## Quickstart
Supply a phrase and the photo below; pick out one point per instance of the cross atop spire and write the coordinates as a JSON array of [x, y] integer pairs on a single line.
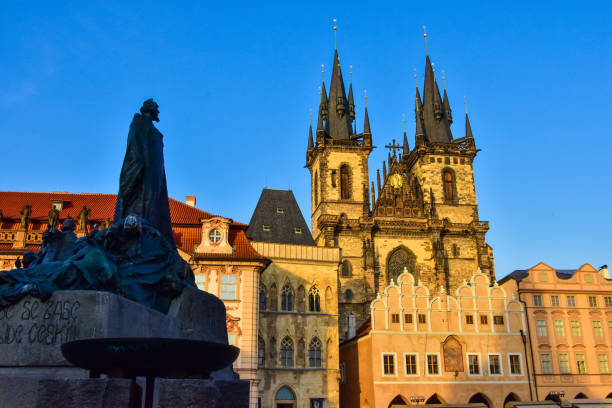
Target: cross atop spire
[[394, 146]]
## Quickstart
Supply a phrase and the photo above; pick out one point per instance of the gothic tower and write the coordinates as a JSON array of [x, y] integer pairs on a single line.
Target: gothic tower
[[423, 218]]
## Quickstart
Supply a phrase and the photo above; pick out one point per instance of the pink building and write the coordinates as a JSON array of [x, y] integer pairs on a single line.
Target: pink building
[[569, 319]]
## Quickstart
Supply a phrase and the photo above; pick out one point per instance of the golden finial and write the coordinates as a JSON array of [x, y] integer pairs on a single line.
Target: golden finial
[[465, 103], [335, 37], [416, 83], [365, 95], [425, 36], [351, 73], [443, 80], [433, 67]]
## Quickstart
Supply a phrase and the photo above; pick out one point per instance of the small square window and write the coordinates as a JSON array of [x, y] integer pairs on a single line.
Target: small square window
[[280, 210], [422, 318], [537, 300], [408, 318], [297, 230], [484, 319], [498, 319], [395, 318], [265, 227], [469, 319]]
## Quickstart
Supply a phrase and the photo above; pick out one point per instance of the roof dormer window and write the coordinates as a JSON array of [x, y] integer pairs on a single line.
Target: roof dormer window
[[297, 230], [57, 204], [265, 227], [280, 210]]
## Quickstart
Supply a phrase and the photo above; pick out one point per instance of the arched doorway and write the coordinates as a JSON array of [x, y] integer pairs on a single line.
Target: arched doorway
[[399, 259], [580, 395], [434, 399], [480, 397], [397, 401], [285, 398], [510, 397]]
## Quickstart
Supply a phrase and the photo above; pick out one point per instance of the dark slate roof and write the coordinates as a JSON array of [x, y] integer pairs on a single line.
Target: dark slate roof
[[520, 274], [278, 211]]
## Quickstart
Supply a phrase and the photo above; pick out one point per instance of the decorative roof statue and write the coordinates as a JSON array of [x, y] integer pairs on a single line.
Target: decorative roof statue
[[83, 219], [25, 213], [53, 217]]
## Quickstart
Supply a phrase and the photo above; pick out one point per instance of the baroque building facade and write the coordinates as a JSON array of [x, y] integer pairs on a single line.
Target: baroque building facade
[[569, 318], [422, 214], [298, 308]]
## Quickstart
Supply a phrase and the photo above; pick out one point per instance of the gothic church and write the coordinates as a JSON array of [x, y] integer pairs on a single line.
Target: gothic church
[[422, 213]]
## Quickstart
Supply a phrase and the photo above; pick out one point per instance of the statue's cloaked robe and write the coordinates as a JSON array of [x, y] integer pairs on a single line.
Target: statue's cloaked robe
[[142, 184]]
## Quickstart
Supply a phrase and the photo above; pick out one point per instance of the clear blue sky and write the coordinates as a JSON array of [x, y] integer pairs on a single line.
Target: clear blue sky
[[235, 82]]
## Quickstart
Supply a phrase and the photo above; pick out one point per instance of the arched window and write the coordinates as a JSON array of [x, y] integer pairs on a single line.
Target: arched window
[[399, 259], [262, 298], [314, 300], [316, 188], [261, 352], [348, 294], [287, 298], [273, 303], [286, 352], [344, 182], [286, 396], [346, 269], [314, 353], [448, 185]]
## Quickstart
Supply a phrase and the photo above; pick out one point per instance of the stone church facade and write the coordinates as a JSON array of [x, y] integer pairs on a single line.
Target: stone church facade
[[421, 214]]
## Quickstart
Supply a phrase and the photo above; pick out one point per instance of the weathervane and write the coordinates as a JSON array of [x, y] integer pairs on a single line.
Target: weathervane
[[335, 37]]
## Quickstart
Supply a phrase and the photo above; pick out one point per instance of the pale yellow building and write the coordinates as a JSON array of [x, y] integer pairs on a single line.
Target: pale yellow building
[[298, 308]]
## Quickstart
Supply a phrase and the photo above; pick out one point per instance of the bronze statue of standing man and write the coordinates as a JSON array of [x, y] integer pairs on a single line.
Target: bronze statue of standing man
[[142, 184]]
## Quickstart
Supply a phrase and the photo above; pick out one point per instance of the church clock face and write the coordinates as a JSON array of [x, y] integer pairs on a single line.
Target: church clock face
[[396, 180]]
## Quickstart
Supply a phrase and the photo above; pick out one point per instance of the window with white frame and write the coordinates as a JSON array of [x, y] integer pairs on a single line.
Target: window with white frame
[[559, 328], [576, 330], [495, 367], [603, 363], [388, 364], [581, 363], [597, 330], [546, 362], [411, 364], [433, 364], [473, 364], [515, 364], [228, 287], [537, 300], [541, 328], [564, 366]]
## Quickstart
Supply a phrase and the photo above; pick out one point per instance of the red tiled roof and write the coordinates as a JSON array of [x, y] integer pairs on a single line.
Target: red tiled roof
[[364, 328], [185, 219]]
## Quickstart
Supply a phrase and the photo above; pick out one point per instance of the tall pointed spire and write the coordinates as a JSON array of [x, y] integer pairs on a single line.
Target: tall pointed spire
[[323, 110], [447, 108], [468, 127], [436, 126], [310, 140], [351, 103], [418, 115], [366, 122], [406, 148], [339, 122]]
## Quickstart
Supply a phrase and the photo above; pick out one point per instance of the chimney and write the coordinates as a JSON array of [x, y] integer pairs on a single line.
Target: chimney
[[190, 201]]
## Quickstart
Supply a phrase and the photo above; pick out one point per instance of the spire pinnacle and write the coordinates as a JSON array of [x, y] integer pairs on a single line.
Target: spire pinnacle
[[447, 109], [351, 103], [425, 36], [366, 122], [323, 111], [468, 128], [406, 148], [335, 35], [310, 139]]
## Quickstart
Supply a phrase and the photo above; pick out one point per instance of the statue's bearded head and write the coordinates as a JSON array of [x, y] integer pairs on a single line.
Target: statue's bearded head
[[152, 108]]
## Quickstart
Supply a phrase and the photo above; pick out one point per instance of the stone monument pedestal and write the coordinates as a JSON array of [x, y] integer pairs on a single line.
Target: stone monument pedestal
[[34, 373]]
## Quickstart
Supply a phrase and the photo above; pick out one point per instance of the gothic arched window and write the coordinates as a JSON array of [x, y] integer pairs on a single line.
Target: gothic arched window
[[314, 353], [346, 269], [399, 259], [447, 177], [262, 298], [261, 352], [314, 300], [344, 182], [286, 352], [287, 298]]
